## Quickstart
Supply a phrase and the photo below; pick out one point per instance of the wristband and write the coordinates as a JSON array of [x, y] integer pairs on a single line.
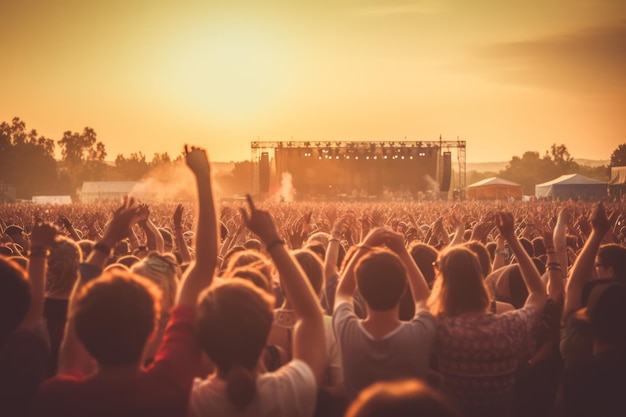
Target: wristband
[[333, 240], [101, 247], [38, 252], [273, 244]]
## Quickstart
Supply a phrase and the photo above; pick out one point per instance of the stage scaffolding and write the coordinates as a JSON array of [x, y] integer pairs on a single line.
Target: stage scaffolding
[[457, 147]]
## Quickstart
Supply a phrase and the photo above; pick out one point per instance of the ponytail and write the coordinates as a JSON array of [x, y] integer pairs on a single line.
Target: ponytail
[[240, 386]]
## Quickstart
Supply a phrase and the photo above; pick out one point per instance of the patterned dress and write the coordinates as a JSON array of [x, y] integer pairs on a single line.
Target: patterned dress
[[478, 356]]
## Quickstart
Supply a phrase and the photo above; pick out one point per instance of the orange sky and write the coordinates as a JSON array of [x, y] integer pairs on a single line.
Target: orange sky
[[506, 76]]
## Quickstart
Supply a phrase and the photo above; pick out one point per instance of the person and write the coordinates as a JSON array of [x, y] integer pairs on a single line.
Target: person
[[62, 272], [234, 320], [596, 386], [404, 398], [112, 318], [478, 351], [24, 342], [381, 346], [285, 319]]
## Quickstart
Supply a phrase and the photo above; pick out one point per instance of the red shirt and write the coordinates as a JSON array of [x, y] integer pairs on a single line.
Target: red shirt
[[161, 390]]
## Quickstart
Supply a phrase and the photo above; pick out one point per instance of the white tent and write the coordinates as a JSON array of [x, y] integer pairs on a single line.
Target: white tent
[[572, 186], [494, 188], [94, 191]]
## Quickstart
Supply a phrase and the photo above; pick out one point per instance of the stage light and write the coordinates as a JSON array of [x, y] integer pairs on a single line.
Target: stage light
[[422, 154]]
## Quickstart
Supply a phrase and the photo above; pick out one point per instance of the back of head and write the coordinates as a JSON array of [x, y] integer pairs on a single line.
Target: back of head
[[539, 247], [86, 246], [483, 255], [321, 237], [606, 311], [381, 279], [424, 255], [312, 267], [65, 255], [253, 244], [234, 320], [614, 256], [249, 257], [115, 315], [407, 398], [162, 270], [528, 246], [253, 275], [459, 287], [14, 297]]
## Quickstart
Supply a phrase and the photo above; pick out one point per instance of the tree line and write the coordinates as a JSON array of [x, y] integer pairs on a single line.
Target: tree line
[[27, 161]]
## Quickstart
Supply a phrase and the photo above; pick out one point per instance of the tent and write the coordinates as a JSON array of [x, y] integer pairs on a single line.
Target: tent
[[94, 191], [617, 184], [618, 176], [494, 188], [572, 186]]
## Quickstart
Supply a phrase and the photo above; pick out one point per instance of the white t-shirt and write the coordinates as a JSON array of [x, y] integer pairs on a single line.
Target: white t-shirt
[[290, 391]]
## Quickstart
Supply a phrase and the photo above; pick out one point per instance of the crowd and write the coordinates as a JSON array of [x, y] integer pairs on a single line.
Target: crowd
[[300, 309]]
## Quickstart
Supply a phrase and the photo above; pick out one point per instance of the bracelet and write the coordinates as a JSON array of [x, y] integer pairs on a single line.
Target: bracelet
[[101, 247], [273, 244], [500, 252], [364, 246], [38, 252], [333, 240]]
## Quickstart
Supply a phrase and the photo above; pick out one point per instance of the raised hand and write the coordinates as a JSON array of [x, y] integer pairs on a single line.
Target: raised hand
[[600, 222], [198, 161], [260, 222], [119, 227], [43, 235], [506, 224]]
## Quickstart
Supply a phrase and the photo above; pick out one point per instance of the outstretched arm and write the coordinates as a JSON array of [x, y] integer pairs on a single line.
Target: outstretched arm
[[536, 289], [309, 343], [42, 238], [72, 354], [583, 267], [200, 273]]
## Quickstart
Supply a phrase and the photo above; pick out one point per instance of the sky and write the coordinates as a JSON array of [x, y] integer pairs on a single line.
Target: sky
[[504, 76]]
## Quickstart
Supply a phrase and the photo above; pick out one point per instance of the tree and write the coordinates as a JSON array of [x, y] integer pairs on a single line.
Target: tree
[[132, 168], [618, 157], [530, 170], [26, 160], [83, 158], [562, 159]]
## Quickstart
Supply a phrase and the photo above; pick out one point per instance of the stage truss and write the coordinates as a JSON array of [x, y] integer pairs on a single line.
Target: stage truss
[[457, 147]]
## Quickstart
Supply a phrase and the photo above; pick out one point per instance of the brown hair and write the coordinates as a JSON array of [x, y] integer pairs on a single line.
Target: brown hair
[[381, 278], [115, 315], [459, 287], [234, 320]]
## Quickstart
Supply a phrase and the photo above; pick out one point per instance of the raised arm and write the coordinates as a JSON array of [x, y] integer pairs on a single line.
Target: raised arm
[[178, 234], [70, 228], [72, 354], [417, 282], [332, 251], [42, 238], [154, 240], [309, 343], [200, 273], [536, 289], [582, 270]]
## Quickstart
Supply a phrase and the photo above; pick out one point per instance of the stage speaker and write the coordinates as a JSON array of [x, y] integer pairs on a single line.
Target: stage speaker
[[447, 172], [264, 173]]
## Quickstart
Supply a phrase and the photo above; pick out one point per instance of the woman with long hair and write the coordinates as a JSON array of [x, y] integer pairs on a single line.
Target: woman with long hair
[[478, 351], [234, 320]]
